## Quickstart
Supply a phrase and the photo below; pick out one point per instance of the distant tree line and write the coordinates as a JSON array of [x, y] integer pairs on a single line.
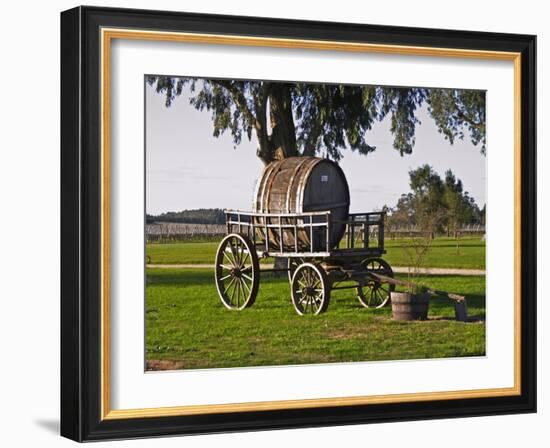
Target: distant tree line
[[434, 204], [197, 216]]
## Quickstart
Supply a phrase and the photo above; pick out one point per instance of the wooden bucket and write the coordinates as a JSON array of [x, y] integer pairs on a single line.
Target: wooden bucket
[[407, 306]]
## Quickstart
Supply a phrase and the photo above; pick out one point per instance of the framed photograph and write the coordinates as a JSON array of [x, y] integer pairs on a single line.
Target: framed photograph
[[276, 224]]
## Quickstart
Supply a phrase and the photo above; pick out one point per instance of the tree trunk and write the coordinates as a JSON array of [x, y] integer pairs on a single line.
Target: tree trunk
[[283, 131], [283, 136]]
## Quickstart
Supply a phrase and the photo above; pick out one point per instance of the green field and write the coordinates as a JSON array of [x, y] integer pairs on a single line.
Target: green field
[[444, 253], [188, 327]]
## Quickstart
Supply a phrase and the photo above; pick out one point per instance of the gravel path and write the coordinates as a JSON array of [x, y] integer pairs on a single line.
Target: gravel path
[[396, 269]]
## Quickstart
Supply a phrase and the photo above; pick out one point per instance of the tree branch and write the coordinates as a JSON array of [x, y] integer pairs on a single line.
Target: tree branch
[[463, 116], [310, 146], [239, 99]]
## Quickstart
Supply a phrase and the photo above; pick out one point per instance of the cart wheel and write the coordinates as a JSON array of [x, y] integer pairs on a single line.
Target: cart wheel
[[310, 289], [292, 264], [373, 293], [237, 272]]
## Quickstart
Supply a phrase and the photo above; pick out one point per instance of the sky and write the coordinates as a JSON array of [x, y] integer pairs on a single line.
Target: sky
[[187, 167]]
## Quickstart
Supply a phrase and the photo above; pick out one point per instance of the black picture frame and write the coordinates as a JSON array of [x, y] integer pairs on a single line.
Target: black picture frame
[[81, 208]]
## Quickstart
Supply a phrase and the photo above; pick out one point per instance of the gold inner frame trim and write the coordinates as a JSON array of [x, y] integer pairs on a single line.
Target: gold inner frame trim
[[107, 35]]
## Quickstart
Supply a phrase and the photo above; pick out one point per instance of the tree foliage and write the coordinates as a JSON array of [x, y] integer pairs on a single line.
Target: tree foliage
[[306, 119], [435, 204], [457, 112]]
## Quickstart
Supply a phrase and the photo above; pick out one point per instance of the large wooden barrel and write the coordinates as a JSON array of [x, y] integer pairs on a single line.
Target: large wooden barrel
[[304, 184]]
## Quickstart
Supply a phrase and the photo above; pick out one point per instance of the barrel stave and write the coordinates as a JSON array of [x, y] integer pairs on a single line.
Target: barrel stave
[[301, 185]]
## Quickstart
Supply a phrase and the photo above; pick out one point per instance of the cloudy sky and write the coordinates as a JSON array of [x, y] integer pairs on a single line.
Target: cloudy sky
[[187, 168]]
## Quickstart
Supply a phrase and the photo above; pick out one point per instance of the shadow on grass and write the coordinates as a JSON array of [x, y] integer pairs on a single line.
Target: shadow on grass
[[471, 319], [472, 300], [274, 292], [189, 277]]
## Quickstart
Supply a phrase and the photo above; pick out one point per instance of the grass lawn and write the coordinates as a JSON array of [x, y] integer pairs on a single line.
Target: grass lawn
[[444, 253], [188, 327]]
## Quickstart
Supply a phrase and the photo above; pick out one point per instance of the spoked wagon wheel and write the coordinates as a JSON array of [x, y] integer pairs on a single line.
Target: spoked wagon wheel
[[237, 272], [293, 263], [374, 293], [310, 289]]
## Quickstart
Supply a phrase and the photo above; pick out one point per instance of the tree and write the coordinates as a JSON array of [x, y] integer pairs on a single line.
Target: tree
[[306, 119], [454, 200], [461, 208], [402, 215], [434, 205], [427, 199]]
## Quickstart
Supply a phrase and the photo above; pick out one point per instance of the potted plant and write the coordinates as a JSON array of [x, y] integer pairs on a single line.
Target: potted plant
[[410, 305], [414, 301]]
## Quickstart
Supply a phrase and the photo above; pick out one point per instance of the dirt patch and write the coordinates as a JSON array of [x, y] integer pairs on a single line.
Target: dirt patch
[[163, 364]]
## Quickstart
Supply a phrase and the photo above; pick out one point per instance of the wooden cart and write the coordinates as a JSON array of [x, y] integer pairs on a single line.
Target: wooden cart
[[316, 265]]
